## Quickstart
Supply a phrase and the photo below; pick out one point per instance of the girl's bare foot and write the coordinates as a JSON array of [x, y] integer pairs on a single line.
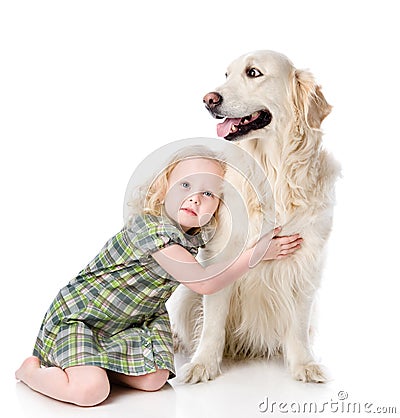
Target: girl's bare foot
[[27, 367]]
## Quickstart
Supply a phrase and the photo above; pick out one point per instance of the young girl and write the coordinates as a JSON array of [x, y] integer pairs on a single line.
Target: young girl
[[110, 323]]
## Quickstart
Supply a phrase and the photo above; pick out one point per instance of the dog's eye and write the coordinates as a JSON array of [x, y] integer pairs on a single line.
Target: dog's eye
[[253, 72], [226, 75]]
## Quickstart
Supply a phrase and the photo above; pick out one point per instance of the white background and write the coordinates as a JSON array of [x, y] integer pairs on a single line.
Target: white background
[[89, 88]]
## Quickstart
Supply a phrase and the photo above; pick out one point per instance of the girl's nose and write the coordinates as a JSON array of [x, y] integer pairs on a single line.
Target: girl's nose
[[195, 199]]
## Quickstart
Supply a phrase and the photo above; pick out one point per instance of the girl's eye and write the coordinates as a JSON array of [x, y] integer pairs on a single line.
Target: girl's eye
[[185, 185], [208, 194]]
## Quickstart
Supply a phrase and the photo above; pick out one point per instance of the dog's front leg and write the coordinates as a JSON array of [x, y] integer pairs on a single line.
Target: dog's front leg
[[298, 350], [206, 362]]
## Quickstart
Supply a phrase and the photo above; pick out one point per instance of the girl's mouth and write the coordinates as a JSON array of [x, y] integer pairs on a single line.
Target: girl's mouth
[[189, 211]]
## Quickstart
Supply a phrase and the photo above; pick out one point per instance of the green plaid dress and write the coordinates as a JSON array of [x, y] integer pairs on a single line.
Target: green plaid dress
[[113, 314]]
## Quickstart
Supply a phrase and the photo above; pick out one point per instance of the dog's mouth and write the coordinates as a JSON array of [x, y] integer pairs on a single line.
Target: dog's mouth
[[232, 128]]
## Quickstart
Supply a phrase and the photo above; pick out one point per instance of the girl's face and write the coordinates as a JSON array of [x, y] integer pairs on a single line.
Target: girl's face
[[194, 190]]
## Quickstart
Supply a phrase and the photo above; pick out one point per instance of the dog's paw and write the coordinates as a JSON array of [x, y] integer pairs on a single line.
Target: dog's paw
[[311, 372], [195, 372]]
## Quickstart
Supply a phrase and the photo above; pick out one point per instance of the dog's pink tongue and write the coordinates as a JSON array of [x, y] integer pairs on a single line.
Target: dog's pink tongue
[[224, 128]]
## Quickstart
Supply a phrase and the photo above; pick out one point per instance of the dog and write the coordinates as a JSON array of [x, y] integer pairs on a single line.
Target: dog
[[274, 112]]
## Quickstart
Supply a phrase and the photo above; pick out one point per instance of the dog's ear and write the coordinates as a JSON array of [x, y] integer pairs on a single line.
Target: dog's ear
[[309, 102]]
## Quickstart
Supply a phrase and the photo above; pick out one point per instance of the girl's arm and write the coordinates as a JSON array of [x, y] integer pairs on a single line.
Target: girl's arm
[[181, 265]]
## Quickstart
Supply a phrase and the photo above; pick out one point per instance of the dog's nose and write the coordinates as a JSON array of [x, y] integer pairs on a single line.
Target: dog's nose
[[212, 99]]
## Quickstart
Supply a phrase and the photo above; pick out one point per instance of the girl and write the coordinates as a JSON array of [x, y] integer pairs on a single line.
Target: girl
[[110, 323]]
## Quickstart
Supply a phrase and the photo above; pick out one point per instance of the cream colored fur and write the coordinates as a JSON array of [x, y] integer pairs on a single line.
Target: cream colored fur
[[269, 310]]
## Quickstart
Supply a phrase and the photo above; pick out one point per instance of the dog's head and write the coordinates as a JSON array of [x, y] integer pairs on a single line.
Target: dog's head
[[264, 89]]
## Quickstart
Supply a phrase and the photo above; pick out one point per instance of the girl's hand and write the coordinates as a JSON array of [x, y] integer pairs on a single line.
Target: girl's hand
[[272, 247], [281, 247]]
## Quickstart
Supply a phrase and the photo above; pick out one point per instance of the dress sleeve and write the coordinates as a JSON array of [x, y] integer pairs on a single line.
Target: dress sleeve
[[148, 234]]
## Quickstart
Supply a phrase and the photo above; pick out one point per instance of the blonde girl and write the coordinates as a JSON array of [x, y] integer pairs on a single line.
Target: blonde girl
[[110, 323]]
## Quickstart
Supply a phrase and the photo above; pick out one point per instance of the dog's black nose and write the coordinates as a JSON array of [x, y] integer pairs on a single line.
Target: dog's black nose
[[212, 99]]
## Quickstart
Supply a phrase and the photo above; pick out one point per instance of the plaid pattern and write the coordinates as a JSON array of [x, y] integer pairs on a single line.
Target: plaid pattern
[[113, 314]]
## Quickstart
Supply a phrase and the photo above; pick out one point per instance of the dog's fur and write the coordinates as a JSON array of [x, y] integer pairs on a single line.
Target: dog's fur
[[269, 310]]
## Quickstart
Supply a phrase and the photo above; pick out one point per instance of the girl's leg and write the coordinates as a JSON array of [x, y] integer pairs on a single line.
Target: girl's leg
[[81, 385], [150, 382]]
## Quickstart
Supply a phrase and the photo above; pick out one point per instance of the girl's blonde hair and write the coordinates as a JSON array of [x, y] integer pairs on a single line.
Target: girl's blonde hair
[[149, 199]]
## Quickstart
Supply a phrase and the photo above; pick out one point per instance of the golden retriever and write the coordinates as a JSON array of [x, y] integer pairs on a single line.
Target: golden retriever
[[274, 112]]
